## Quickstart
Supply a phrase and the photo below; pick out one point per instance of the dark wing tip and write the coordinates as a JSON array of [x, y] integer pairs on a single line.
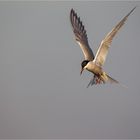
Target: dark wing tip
[[77, 25], [131, 11], [72, 10], [80, 34], [73, 16]]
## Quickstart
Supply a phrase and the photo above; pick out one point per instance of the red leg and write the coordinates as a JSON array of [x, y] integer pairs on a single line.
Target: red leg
[[98, 80]]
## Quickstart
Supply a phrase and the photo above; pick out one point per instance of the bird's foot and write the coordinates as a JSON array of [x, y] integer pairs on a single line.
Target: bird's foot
[[98, 80]]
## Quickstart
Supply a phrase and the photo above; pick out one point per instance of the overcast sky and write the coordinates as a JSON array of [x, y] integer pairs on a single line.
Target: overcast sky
[[42, 94]]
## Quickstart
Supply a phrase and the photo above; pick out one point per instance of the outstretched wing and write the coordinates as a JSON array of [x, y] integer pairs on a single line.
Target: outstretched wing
[[81, 35], [105, 44]]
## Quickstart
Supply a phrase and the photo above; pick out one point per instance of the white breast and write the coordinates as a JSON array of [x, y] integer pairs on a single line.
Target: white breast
[[92, 67]]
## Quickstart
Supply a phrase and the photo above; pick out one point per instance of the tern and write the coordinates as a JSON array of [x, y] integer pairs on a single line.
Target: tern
[[95, 63]]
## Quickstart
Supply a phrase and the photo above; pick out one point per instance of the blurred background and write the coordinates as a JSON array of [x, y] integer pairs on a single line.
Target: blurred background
[[42, 94]]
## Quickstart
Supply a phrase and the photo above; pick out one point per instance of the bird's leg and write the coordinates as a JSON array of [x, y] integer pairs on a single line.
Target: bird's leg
[[98, 80], [95, 80]]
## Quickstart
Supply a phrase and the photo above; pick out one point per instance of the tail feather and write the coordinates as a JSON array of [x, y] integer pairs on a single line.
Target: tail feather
[[105, 79], [111, 80]]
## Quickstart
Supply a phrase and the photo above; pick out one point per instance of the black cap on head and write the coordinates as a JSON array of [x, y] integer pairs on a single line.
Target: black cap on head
[[84, 63]]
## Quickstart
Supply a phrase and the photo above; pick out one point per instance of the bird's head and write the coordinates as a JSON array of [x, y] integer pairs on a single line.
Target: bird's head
[[83, 64]]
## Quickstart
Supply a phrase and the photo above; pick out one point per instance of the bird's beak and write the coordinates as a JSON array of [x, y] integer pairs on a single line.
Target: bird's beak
[[81, 71]]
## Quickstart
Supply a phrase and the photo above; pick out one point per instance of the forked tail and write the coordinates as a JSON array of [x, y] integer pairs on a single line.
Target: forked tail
[[111, 80], [103, 79]]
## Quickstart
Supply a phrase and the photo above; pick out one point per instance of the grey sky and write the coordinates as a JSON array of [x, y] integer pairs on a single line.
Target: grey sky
[[42, 94]]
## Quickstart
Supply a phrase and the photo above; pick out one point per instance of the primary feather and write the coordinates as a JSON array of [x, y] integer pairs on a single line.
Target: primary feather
[[105, 44], [81, 35]]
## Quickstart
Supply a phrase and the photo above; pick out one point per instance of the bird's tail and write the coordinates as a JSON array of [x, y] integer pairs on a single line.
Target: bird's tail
[[111, 80], [105, 78], [100, 80]]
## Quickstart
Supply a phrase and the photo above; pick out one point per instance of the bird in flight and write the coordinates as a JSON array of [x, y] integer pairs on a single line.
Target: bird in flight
[[95, 63]]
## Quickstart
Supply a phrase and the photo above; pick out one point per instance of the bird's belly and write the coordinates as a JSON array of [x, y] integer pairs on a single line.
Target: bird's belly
[[94, 68]]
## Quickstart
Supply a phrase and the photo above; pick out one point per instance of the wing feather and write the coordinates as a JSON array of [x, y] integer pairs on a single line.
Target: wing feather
[[105, 44], [81, 35]]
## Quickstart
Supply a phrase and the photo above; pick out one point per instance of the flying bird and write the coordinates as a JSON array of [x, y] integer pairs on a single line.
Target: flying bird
[[95, 63]]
